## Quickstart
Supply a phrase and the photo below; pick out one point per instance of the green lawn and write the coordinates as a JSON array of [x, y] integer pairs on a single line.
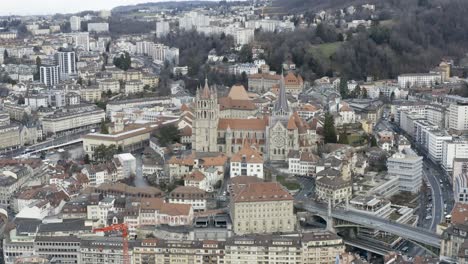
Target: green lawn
[[288, 184], [327, 49]]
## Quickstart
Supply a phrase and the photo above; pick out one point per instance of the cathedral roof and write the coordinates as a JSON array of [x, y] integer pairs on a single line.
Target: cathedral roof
[[206, 92], [281, 104], [238, 92], [242, 124]]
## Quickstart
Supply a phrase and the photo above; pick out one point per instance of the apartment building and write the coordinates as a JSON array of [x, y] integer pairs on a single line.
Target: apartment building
[[458, 115], [248, 161], [98, 27], [74, 120], [133, 87], [460, 180], [263, 82], [64, 249], [90, 93], [10, 137], [16, 112], [415, 80], [66, 60], [112, 85], [49, 75], [264, 207]]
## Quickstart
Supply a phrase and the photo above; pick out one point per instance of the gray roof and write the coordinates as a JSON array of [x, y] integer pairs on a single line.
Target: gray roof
[[281, 104], [66, 225]]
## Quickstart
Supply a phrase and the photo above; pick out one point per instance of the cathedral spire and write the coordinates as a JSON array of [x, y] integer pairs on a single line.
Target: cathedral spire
[[281, 105], [206, 90]]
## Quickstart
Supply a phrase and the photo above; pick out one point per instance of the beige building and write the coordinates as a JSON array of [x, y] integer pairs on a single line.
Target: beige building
[[150, 80], [16, 111], [333, 188], [91, 94], [172, 252], [112, 85], [133, 75], [263, 82], [455, 235], [66, 121], [263, 207], [9, 137], [316, 247], [133, 86], [237, 104], [129, 138]]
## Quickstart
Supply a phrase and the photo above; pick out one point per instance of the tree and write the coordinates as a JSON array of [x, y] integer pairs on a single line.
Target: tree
[[373, 141], [168, 135], [392, 96], [364, 93], [329, 131], [344, 88], [104, 128], [21, 100], [86, 159], [5, 54], [344, 137], [124, 62], [80, 81], [104, 153], [245, 54], [357, 91], [37, 75]]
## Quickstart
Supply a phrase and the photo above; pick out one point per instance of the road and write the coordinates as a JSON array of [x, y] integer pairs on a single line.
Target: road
[[139, 180], [307, 187], [417, 234]]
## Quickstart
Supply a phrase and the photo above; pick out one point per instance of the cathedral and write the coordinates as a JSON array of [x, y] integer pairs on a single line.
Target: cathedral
[[222, 127]]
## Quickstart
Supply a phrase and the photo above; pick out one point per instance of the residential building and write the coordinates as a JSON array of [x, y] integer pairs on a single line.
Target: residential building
[[458, 117], [133, 87], [262, 82], [128, 163], [263, 207], [81, 41], [460, 180], [66, 60], [302, 163], [419, 80], [75, 23], [90, 94], [333, 189], [68, 121], [189, 195], [98, 27], [111, 85], [162, 28], [248, 161], [49, 75]]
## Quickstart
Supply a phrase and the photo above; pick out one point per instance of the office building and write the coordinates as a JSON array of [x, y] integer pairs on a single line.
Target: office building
[[263, 207], [81, 41], [162, 28], [407, 166], [98, 27], [458, 115]]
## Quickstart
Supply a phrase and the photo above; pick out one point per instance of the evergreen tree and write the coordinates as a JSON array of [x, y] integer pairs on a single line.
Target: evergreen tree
[[373, 142], [344, 88], [5, 54], [329, 131], [357, 91], [104, 128], [392, 96], [364, 93]]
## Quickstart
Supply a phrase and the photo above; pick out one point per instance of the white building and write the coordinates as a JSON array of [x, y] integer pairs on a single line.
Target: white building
[[460, 180], [162, 28], [36, 101], [458, 117], [133, 86], [456, 148], [81, 40], [66, 60], [302, 163], [407, 166], [419, 80], [61, 122], [98, 27], [128, 163], [435, 144], [49, 75], [248, 161], [75, 23]]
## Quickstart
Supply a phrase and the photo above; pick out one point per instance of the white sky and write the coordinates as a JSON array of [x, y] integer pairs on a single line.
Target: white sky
[[42, 7]]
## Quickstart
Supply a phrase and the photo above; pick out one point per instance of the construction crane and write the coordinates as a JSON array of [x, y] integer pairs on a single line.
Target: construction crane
[[122, 228]]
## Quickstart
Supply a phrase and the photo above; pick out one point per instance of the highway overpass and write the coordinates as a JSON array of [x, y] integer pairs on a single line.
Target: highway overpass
[[416, 234]]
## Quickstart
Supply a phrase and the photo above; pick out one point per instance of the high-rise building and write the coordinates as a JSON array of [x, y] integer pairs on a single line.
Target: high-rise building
[[458, 119], [75, 23], [81, 40], [66, 60], [49, 75], [162, 28]]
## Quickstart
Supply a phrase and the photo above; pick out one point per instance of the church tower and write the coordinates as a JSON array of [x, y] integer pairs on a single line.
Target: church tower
[[277, 133], [205, 124]]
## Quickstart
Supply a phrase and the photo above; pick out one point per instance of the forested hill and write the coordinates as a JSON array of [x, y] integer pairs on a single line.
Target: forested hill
[[416, 36]]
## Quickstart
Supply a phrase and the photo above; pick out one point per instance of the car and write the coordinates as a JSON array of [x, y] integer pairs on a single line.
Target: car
[[429, 217]]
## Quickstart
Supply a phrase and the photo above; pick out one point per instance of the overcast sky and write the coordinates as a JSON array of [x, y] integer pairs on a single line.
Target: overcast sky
[[34, 7]]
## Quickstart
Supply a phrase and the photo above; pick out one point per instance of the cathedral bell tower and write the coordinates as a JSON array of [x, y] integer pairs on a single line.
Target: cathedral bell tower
[[205, 124]]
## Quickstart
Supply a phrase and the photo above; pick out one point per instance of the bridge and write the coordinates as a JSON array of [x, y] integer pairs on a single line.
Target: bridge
[[416, 234], [36, 150], [370, 246]]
